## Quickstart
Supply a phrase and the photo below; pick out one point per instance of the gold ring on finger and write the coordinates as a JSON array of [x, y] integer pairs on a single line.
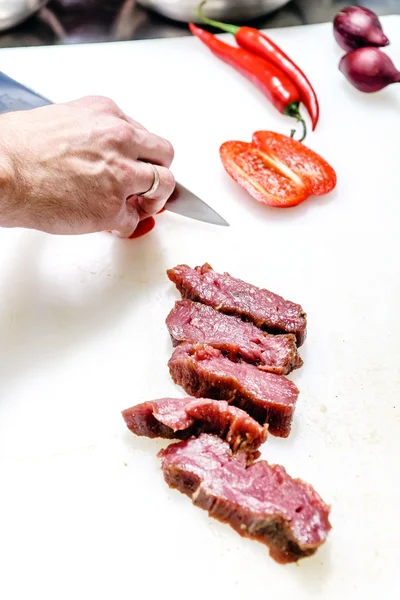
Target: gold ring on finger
[[155, 185]]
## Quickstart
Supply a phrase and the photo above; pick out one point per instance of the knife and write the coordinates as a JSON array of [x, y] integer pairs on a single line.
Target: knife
[[15, 96]]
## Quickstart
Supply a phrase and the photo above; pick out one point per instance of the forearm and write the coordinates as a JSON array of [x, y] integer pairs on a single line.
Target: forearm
[[11, 197]]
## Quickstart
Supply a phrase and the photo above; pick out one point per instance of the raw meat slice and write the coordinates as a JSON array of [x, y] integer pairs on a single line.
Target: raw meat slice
[[204, 372], [198, 323], [185, 417], [236, 297], [260, 501]]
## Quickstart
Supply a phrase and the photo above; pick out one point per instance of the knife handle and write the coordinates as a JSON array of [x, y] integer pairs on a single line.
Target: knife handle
[[15, 96]]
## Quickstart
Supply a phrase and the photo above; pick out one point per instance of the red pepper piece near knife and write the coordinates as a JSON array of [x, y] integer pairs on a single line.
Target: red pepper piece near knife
[[257, 43], [274, 84], [277, 170]]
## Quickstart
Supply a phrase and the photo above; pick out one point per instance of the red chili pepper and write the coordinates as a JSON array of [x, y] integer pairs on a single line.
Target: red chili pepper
[[275, 85], [254, 41], [277, 170]]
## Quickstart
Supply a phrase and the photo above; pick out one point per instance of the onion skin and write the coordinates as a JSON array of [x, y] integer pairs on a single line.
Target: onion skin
[[355, 27], [369, 69]]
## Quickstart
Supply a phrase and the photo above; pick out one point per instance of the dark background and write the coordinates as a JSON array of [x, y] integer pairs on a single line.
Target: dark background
[[72, 21]]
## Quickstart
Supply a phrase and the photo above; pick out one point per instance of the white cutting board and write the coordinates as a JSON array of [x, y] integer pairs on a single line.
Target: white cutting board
[[84, 510]]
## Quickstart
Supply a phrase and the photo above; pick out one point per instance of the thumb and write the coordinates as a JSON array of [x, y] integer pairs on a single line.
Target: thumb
[[127, 222]]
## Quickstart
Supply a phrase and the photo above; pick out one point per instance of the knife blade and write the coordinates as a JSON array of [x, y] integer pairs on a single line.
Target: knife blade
[[185, 203], [16, 96]]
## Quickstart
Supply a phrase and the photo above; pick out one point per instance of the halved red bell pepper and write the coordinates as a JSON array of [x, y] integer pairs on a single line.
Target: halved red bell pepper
[[277, 170], [265, 180], [306, 163]]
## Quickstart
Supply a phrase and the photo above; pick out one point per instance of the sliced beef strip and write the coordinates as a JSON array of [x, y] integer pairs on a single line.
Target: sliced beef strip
[[185, 417], [204, 372], [195, 322], [260, 501], [236, 297]]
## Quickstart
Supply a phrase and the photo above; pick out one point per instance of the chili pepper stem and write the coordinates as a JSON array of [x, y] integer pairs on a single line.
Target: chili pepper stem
[[292, 110], [223, 26], [304, 127]]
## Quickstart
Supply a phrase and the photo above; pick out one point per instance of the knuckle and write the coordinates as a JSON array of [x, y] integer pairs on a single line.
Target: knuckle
[[117, 133], [104, 103], [121, 133], [138, 136]]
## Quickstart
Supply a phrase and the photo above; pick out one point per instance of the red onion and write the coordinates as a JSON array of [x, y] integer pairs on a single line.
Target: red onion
[[369, 69], [356, 27]]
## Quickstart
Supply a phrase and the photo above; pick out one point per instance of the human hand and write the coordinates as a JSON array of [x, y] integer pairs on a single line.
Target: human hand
[[80, 167]]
